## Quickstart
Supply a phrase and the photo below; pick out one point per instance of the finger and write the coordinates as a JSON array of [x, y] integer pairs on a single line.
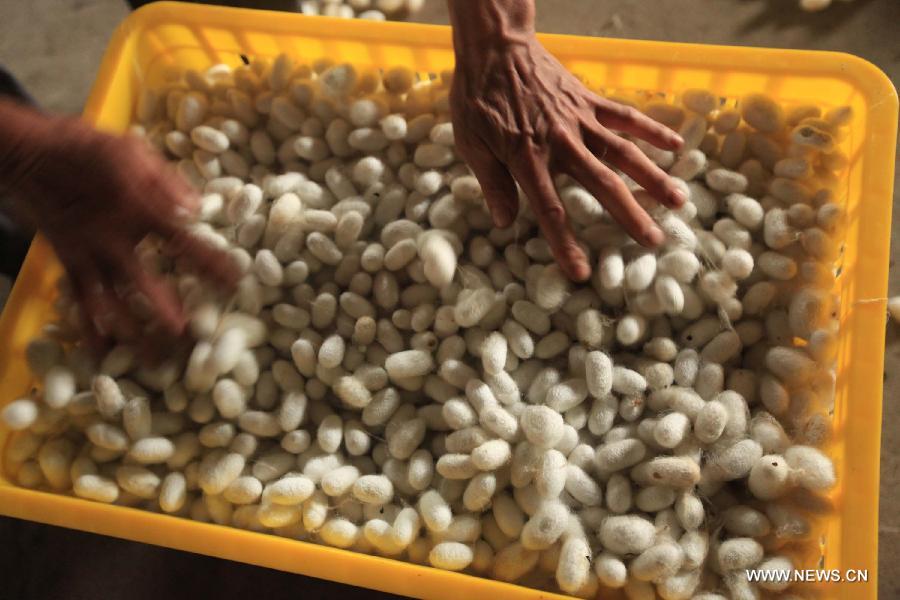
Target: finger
[[96, 342], [184, 193], [204, 258], [497, 185], [174, 198], [104, 310], [156, 346], [534, 177], [612, 192], [627, 157], [630, 120], [160, 295], [164, 193]]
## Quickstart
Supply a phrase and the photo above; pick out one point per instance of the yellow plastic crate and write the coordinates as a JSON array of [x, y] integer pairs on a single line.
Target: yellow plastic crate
[[166, 36]]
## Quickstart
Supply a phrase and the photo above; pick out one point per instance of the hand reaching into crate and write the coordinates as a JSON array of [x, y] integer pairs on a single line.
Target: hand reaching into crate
[[95, 197], [520, 116]]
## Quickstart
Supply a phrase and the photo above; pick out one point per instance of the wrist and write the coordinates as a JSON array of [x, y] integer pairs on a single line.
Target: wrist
[[483, 24], [24, 136]]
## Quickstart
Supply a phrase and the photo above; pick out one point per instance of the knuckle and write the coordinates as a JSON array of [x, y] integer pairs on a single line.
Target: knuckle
[[617, 143], [558, 132], [631, 115], [630, 152], [607, 180], [551, 212], [645, 231]]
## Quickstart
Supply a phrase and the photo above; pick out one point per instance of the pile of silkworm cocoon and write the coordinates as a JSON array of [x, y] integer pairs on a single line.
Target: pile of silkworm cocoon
[[375, 10], [394, 375]]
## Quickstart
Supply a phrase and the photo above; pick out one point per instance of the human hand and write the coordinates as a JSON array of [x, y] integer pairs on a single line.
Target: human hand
[[95, 197], [519, 115]]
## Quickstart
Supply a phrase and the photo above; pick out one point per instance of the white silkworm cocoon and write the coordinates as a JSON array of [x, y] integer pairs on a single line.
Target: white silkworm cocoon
[[552, 288], [762, 113], [420, 470], [626, 534], [689, 165], [409, 363], [610, 570], [291, 490], [660, 561], [639, 273], [807, 310], [568, 394], [654, 498], [745, 521], [173, 492], [508, 516], [689, 510], [59, 386], [491, 455], [550, 478], [631, 329], [737, 460], [479, 491], [339, 481], [672, 471], [438, 258], [671, 429], [96, 488], [339, 532], [628, 382], [618, 455], [499, 421], [151, 450], [811, 468], [435, 512], [793, 366], [573, 573], [138, 481], [598, 373], [739, 553], [218, 469], [618, 494], [373, 489], [406, 438], [472, 306], [582, 487], [20, 414], [529, 315], [513, 562], [772, 564], [710, 422], [542, 426], [452, 556], [546, 526]]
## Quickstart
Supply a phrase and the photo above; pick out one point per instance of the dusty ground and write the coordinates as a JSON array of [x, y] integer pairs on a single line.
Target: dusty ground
[[54, 46]]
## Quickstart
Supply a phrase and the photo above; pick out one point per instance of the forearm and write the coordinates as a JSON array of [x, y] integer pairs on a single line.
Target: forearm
[[23, 131], [481, 23]]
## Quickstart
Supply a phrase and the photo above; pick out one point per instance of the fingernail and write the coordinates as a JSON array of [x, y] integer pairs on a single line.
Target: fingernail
[[581, 272], [500, 217], [679, 197], [677, 139], [655, 236]]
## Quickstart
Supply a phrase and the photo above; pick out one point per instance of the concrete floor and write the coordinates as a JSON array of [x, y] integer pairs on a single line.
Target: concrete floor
[[54, 46]]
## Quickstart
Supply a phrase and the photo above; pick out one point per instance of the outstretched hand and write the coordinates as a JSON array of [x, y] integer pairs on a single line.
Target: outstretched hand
[[520, 116], [95, 197]]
